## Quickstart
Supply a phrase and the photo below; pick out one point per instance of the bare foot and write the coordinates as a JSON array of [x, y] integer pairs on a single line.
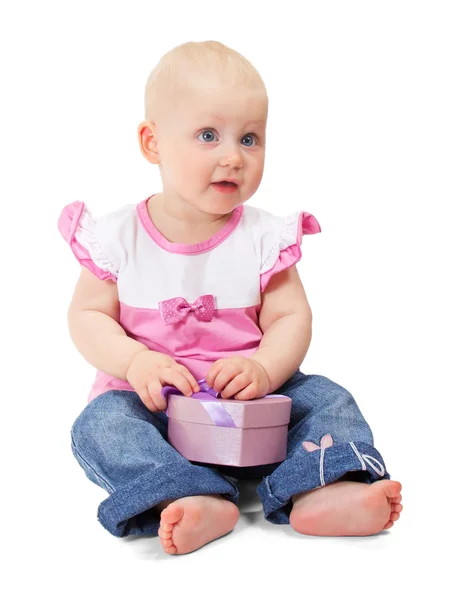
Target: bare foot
[[191, 522], [347, 508]]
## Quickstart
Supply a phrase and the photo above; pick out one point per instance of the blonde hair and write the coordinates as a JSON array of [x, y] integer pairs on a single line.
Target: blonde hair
[[181, 66]]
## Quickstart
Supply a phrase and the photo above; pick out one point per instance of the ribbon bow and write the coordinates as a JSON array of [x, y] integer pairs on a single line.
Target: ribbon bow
[[174, 310], [208, 398]]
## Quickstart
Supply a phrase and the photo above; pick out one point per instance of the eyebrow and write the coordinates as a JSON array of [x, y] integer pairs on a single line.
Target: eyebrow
[[218, 118]]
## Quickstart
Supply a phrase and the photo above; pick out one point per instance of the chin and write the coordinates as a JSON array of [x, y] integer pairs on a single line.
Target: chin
[[218, 207], [218, 210], [225, 208]]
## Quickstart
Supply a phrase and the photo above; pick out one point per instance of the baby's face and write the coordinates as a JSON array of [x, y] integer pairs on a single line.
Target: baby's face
[[212, 135]]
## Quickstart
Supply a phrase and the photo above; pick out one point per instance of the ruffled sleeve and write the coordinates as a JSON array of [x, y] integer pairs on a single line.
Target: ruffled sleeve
[[79, 230], [282, 247]]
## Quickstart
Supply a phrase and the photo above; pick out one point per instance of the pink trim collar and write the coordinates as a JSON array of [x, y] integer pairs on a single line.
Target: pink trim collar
[[164, 243]]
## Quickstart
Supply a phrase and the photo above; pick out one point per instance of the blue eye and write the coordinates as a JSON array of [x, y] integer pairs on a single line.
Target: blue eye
[[248, 136], [207, 133]]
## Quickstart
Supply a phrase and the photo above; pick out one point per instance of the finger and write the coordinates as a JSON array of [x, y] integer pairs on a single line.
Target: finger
[[249, 393], [190, 377], [145, 397], [227, 374], [155, 391], [177, 379], [214, 371], [241, 381]]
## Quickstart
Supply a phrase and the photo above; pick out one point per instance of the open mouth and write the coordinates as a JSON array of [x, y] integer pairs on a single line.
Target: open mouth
[[226, 184], [226, 187]]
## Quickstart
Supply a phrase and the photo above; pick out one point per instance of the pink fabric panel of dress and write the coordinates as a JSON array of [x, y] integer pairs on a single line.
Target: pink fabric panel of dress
[[193, 343], [307, 224], [67, 224]]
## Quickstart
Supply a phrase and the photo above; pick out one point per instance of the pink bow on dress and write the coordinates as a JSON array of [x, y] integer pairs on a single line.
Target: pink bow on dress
[[174, 310]]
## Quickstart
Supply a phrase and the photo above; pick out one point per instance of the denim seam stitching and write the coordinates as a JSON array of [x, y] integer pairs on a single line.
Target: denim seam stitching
[[120, 493], [278, 500], [91, 468]]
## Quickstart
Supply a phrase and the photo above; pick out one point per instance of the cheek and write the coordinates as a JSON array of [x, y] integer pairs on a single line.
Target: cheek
[[191, 162], [257, 168]]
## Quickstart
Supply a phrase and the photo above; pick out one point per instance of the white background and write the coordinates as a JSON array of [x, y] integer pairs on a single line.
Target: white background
[[362, 133]]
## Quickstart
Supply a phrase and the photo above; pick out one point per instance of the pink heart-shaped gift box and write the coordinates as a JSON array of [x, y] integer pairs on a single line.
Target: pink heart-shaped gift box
[[241, 433]]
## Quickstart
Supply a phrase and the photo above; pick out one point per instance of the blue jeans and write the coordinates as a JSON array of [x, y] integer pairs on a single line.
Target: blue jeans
[[122, 447]]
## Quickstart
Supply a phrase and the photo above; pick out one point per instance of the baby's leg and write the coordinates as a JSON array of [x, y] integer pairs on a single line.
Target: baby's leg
[[322, 486], [122, 447]]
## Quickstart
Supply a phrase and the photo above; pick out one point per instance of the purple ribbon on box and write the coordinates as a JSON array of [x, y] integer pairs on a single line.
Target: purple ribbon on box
[[207, 396]]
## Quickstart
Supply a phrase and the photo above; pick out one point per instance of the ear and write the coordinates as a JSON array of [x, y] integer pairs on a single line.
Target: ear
[[147, 139]]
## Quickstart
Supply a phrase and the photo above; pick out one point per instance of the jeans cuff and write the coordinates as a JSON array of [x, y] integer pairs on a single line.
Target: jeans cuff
[[123, 512], [307, 470]]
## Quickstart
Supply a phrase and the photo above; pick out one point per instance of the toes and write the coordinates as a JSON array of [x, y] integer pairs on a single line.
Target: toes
[[169, 547], [164, 535], [394, 516], [388, 525], [397, 508], [171, 515], [397, 500], [394, 489], [171, 550], [166, 527]]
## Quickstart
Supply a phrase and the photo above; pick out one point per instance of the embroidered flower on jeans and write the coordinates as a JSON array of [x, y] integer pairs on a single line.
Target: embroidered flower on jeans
[[326, 442], [365, 459]]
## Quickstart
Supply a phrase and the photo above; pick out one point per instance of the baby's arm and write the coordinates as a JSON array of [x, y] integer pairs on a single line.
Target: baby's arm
[[93, 323], [286, 322]]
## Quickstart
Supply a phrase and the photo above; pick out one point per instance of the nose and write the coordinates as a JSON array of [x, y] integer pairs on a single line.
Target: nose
[[231, 158]]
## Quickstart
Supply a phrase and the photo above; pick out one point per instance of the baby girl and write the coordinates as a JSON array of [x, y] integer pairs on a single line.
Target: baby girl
[[241, 321]]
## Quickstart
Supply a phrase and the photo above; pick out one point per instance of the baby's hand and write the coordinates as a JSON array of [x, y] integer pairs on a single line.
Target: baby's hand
[[238, 377], [148, 373]]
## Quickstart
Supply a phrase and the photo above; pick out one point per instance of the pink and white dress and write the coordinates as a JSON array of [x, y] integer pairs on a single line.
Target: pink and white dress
[[194, 302]]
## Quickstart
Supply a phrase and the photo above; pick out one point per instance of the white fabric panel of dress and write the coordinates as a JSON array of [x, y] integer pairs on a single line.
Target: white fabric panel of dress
[[149, 274]]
